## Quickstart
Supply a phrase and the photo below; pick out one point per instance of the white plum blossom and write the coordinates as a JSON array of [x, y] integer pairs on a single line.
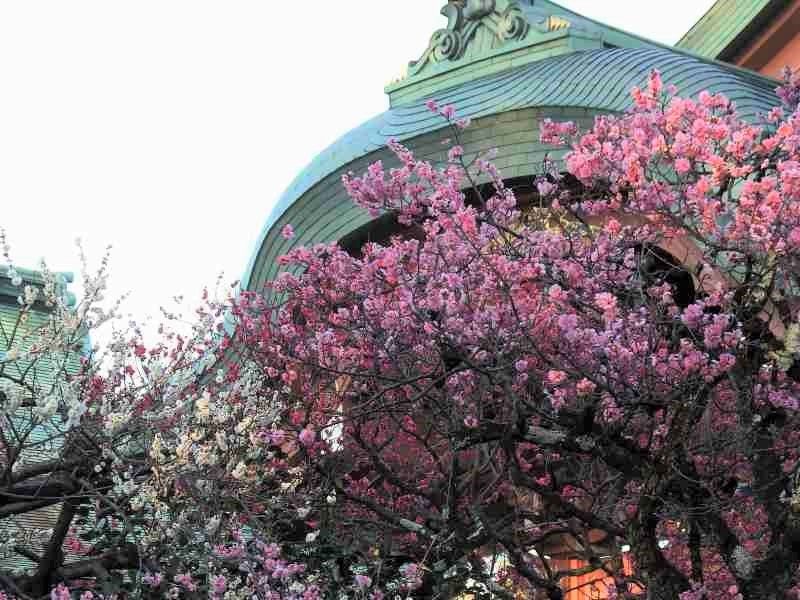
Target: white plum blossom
[[743, 562], [240, 472], [75, 412], [46, 407], [312, 536], [115, 421]]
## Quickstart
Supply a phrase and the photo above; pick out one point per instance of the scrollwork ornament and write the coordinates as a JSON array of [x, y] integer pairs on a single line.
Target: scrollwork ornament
[[465, 18], [446, 45], [514, 25]]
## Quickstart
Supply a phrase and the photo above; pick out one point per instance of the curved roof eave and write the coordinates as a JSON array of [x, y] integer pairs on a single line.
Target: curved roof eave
[[597, 79]]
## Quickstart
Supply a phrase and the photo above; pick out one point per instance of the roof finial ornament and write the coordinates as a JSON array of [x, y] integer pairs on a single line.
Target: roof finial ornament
[[477, 9], [454, 11], [458, 12], [495, 22]]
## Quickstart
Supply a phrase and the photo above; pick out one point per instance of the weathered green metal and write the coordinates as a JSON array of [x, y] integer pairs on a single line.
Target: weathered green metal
[[720, 32]]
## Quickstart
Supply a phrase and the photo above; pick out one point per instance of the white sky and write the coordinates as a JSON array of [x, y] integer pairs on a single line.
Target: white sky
[[168, 128]]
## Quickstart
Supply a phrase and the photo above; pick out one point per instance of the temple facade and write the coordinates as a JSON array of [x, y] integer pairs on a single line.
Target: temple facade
[[506, 65]]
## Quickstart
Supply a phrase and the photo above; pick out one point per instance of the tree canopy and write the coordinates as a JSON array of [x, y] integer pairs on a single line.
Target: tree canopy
[[593, 382]]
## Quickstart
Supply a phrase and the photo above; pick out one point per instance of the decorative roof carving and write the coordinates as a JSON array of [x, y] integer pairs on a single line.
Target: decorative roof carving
[[487, 24], [554, 23]]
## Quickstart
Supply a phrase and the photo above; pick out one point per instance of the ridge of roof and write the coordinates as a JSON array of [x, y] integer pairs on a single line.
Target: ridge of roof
[[599, 26], [486, 36], [483, 37], [726, 21]]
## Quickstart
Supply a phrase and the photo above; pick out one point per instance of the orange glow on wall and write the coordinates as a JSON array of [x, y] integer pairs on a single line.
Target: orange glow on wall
[[589, 586], [776, 46]]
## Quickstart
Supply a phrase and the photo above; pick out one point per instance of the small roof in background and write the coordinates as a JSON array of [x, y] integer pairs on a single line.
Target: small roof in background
[[14, 279]]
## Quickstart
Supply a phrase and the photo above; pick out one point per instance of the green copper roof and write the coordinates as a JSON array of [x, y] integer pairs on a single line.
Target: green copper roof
[[10, 292], [598, 80], [726, 25]]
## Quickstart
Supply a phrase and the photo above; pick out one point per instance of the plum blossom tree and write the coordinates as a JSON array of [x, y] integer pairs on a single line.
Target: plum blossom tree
[[611, 380], [147, 470], [596, 381]]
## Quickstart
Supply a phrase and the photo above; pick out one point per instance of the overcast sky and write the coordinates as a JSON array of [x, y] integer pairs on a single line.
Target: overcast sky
[[168, 128]]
